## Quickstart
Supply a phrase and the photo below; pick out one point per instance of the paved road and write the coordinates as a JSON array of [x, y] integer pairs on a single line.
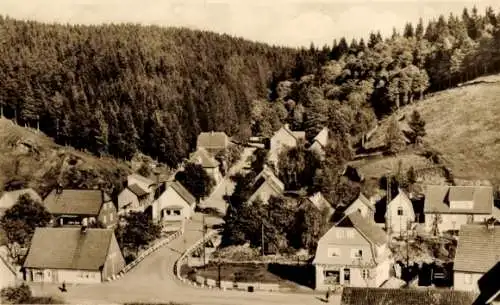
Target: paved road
[[153, 279]]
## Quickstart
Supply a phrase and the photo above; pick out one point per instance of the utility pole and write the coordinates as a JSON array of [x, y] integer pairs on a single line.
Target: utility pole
[[262, 238], [204, 229]]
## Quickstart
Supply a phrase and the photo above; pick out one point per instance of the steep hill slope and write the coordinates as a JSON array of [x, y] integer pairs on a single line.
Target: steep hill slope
[[461, 124], [30, 158]]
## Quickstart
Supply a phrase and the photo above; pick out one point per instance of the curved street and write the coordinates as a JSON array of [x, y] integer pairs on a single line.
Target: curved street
[[153, 279]]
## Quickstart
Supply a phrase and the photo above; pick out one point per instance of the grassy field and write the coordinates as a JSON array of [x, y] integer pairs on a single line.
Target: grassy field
[[36, 161], [462, 124]]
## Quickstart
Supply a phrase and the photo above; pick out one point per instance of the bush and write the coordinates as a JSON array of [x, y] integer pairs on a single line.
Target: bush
[[130, 258], [22, 295]]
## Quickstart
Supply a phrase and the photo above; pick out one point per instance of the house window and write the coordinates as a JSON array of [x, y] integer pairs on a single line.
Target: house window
[[333, 252], [400, 211], [110, 217], [104, 219], [340, 234], [347, 275], [350, 234], [468, 279], [177, 212], [365, 273], [331, 276], [357, 253]]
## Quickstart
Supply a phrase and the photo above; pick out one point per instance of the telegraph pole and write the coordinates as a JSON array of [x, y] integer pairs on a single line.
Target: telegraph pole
[[204, 229], [262, 238]]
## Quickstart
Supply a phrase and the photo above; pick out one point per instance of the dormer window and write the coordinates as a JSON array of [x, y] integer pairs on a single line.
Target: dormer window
[[400, 211]]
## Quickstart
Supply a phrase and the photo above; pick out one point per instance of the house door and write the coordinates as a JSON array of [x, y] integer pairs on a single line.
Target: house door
[[347, 276], [55, 276]]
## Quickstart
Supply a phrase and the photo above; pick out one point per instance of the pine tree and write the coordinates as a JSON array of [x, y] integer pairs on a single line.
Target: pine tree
[[417, 125], [408, 31]]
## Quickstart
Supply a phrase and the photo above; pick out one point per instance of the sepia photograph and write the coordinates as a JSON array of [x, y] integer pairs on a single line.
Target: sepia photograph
[[250, 152]]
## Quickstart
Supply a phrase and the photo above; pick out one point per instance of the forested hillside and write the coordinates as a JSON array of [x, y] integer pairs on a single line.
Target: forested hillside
[[118, 89], [365, 81], [121, 88]]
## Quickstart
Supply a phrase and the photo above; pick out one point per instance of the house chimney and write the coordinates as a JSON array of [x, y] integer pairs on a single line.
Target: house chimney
[[59, 188]]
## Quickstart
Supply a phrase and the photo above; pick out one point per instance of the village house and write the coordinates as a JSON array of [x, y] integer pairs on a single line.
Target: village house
[[173, 206], [282, 139], [213, 142], [77, 207], [320, 142], [73, 255], [354, 252], [489, 287], [320, 202], [449, 207], [362, 205], [386, 296], [211, 166], [8, 275], [137, 196], [399, 215], [9, 199], [478, 251], [265, 185]]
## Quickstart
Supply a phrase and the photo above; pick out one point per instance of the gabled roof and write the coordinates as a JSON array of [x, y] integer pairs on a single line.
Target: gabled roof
[[369, 230], [182, 191], [9, 199], [141, 178], [267, 175], [296, 134], [214, 140], [438, 197], [489, 286], [384, 296], [137, 190], [478, 248], [69, 248], [320, 202], [75, 202], [202, 156], [362, 198], [322, 137]]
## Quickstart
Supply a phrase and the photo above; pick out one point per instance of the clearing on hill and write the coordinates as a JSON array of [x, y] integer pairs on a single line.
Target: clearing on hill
[[462, 124]]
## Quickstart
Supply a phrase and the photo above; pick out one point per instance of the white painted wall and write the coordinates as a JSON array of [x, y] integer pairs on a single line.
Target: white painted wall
[[279, 140], [452, 221], [358, 206], [125, 197], [7, 277], [396, 222], [167, 199], [67, 276], [466, 281]]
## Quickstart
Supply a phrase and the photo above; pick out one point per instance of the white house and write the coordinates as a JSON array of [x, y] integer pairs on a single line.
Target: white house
[[211, 166], [282, 139], [213, 141], [73, 255], [9, 199], [265, 185], [173, 206], [320, 202], [362, 205], [137, 196], [320, 142], [452, 206], [8, 276], [478, 251], [354, 252], [399, 215]]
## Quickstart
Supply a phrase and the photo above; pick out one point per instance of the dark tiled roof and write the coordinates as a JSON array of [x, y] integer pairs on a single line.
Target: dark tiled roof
[[137, 190], [75, 202], [437, 198], [203, 157], [478, 248], [182, 191], [380, 296], [214, 140], [69, 248], [370, 231]]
